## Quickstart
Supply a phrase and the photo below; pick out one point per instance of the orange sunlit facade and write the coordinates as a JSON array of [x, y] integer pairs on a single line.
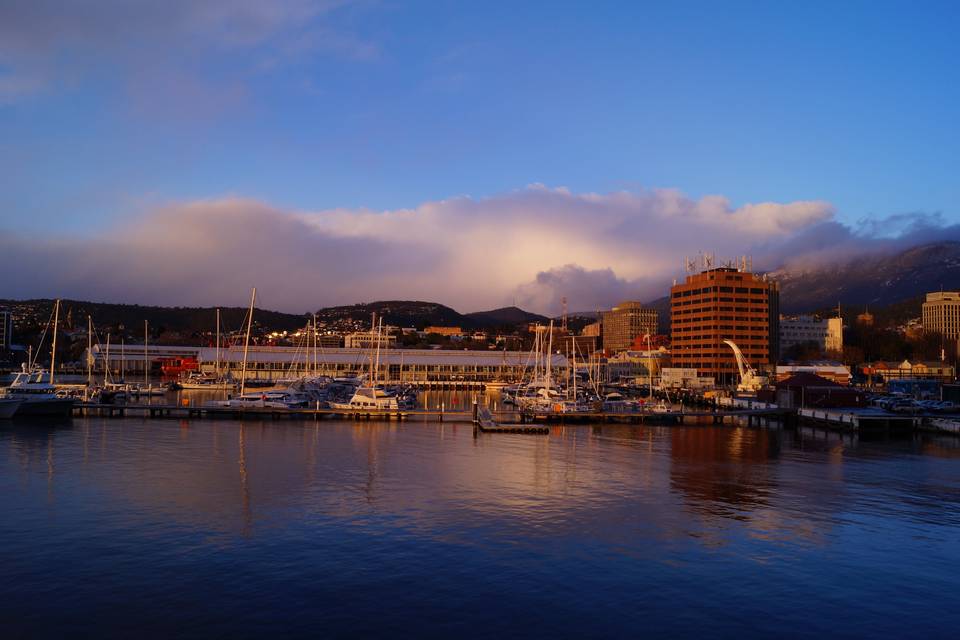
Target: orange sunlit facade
[[723, 304]]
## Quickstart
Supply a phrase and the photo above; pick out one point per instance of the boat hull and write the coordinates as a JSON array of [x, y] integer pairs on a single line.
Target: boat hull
[[8, 407], [59, 407]]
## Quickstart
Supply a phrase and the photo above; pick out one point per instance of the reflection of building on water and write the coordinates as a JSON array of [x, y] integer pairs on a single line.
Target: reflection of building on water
[[723, 466]]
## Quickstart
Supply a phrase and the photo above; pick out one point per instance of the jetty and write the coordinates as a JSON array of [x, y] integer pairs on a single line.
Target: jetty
[[483, 422]]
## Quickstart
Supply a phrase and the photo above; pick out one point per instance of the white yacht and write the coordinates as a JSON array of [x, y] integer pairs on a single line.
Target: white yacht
[[38, 397], [273, 399], [367, 397]]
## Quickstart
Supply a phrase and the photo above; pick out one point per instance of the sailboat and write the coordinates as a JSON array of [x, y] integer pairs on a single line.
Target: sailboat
[[370, 395], [205, 381], [35, 389]]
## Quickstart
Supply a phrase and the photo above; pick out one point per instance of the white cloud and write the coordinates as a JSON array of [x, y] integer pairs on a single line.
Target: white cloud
[[533, 245]]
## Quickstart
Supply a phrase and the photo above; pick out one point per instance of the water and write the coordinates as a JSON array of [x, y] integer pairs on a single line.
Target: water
[[132, 528]]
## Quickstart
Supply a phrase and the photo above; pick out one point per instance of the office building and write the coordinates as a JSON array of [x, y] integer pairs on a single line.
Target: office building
[[625, 322], [826, 334], [941, 314], [720, 304]]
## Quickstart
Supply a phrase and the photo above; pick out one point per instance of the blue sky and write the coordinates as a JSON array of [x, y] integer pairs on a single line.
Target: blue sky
[[109, 112]]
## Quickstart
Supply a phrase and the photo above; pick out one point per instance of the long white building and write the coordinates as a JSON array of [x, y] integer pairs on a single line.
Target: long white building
[[406, 365]]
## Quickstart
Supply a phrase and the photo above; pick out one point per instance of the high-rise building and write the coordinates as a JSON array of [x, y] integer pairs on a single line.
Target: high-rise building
[[827, 334], [724, 304], [941, 313], [6, 330], [625, 322]]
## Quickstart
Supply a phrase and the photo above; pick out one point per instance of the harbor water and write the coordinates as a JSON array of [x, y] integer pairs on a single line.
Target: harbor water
[[126, 527]]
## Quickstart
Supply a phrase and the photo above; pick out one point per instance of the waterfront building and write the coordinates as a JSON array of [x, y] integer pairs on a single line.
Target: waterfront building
[[625, 322], [826, 334], [593, 329], [405, 365], [684, 378], [832, 371], [444, 331], [918, 370], [368, 340], [720, 304], [941, 314], [639, 365], [6, 330]]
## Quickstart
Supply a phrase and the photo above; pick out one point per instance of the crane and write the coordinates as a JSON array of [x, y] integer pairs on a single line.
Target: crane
[[750, 380]]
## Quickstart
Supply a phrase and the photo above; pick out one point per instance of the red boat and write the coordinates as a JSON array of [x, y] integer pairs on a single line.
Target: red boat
[[175, 367]]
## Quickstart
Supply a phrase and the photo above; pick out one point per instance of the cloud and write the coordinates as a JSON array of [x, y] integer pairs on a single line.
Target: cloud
[[46, 43], [534, 246]]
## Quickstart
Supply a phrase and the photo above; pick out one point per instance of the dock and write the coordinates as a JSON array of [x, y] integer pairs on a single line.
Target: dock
[[484, 422]]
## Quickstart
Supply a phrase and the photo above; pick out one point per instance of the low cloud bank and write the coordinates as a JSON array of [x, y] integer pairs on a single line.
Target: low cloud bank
[[530, 247]]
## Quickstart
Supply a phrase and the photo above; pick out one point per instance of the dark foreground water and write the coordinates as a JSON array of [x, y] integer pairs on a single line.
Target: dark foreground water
[[126, 528]]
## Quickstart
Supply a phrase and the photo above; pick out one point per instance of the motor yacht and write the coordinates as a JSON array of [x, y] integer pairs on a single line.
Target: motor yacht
[[38, 397]]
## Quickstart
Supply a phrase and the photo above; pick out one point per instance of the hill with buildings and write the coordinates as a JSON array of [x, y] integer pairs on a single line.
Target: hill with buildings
[[188, 321], [505, 317], [420, 314]]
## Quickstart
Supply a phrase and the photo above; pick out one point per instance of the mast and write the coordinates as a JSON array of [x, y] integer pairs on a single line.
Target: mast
[[89, 352], [316, 341], [123, 368], [573, 342], [246, 342], [548, 363], [106, 362], [216, 365], [53, 351], [650, 369], [146, 359], [377, 369]]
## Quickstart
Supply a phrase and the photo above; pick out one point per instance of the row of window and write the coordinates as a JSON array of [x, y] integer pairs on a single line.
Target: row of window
[[716, 289]]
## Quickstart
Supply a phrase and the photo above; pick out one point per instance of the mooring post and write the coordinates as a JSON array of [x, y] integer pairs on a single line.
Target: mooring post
[[476, 410]]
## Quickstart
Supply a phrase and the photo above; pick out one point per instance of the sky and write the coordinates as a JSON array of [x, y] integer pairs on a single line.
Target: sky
[[473, 154]]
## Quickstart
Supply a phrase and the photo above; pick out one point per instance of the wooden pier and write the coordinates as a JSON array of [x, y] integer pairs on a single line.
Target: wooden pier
[[498, 421]]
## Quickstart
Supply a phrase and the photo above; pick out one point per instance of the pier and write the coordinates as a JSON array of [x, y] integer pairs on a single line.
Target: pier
[[503, 417]]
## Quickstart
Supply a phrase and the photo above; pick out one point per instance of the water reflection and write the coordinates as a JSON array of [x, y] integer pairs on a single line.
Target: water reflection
[[625, 526]]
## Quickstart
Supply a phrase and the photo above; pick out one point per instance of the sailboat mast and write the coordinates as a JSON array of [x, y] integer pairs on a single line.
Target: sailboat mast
[[316, 341], [573, 342], [548, 362], [216, 366], [89, 352], [146, 359], [123, 360], [246, 342], [53, 351], [106, 363], [377, 369]]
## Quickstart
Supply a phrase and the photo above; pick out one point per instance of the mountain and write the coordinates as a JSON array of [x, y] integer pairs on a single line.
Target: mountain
[[874, 281], [420, 314], [402, 313], [505, 317], [185, 320]]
